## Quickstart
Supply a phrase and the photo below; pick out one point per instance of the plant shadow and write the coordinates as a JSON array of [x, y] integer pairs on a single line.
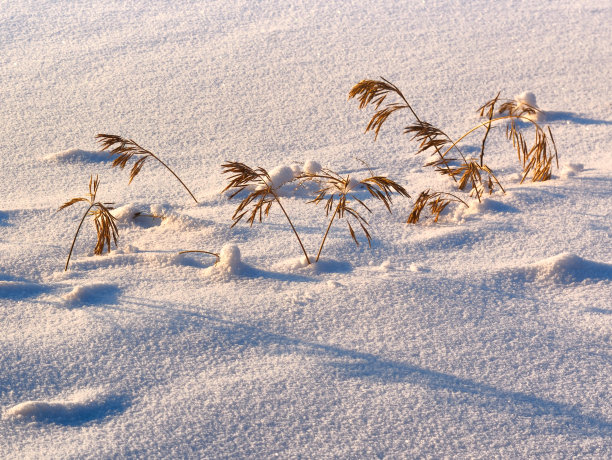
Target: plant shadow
[[4, 216], [345, 364], [249, 271], [553, 116], [20, 288]]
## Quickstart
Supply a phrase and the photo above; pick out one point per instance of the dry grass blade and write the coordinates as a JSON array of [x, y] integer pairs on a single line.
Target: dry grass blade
[[436, 201], [337, 189], [104, 221], [124, 149], [203, 252], [260, 197], [470, 174], [375, 92], [489, 109]]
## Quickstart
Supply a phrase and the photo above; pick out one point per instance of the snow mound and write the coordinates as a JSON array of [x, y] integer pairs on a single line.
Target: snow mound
[[486, 206], [91, 293], [82, 406], [571, 170], [312, 167], [125, 214], [528, 98], [280, 175], [567, 268], [229, 264], [181, 222], [77, 156], [315, 268]]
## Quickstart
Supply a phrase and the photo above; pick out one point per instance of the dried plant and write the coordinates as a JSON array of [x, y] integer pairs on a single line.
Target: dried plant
[[437, 202], [261, 195], [125, 149], [338, 190], [104, 221], [203, 252], [148, 214], [375, 92], [470, 175]]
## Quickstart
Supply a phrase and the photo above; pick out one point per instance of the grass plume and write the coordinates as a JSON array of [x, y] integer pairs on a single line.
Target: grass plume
[[125, 149], [470, 175], [260, 197], [337, 192], [104, 221]]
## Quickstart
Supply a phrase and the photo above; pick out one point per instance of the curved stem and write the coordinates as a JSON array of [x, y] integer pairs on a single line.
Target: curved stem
[[326, 232], [174, 174], [76, 234], [484, 123], [397, 90], [292, 227]]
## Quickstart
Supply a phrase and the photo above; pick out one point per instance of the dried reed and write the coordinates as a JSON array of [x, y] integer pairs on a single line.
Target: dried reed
[[125, 149], [261, 195], [470, 175], [437, 202], [333, 187], [104, 221]]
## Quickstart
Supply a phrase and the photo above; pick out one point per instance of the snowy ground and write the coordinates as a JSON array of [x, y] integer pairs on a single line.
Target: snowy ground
[[485, 335]]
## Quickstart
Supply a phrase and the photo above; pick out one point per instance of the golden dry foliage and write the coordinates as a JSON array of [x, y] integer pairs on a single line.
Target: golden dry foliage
[[334, 188], [104, 221], [537, 158], [436, 201], [470, 175], [261, 195], [125, 149]]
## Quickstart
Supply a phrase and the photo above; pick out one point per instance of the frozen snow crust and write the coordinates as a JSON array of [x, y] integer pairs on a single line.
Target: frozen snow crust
[[486, 335]]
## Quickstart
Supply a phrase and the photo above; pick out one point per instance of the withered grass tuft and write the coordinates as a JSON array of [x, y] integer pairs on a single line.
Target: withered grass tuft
[[470, 174], [336, 191], [104, 221], [125, 149]]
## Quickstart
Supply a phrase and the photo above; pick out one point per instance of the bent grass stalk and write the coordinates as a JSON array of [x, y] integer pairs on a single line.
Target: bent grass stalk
[[125, 149], [104, 221], [334, 187], [261, 194], [536, 159]]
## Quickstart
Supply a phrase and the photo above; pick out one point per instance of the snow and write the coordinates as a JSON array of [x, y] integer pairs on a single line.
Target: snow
[[484, 335], [81, 406]]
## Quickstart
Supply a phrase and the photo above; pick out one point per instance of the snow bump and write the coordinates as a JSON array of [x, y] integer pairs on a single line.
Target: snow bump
[[80, 407], [77, 156], [91, 293]]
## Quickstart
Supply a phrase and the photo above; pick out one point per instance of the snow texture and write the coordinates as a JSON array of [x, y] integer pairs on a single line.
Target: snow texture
[[485, 335]]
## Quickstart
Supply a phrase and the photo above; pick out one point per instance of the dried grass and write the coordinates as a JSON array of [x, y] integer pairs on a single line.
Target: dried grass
[[470, 175], [125, 149], [334, 188], [260, 197], [336, 191], [104, 221]]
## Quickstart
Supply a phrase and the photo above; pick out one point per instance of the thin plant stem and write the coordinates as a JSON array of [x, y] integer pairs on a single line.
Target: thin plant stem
[[484, 139], [326, 232], [174, 174], [292, 227], [397, 90], [75, 236], [485, 123]]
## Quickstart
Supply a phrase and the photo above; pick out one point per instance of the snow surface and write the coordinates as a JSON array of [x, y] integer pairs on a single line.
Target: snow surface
[[486, 335]]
